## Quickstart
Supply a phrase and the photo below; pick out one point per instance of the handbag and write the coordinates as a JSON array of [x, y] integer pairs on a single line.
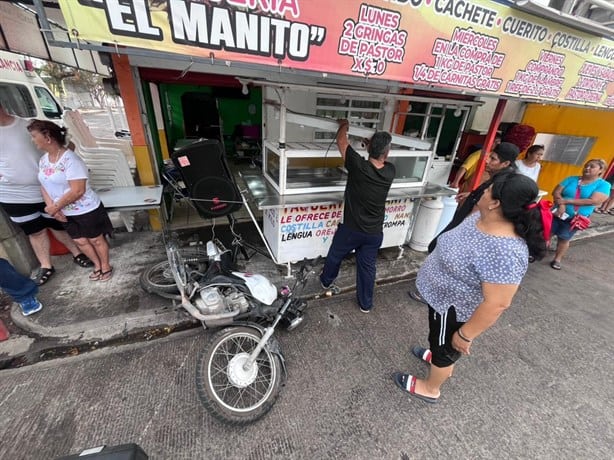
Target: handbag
[[578, 221]]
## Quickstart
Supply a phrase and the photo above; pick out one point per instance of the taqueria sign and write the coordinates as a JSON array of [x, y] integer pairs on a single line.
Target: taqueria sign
[[476, 46]]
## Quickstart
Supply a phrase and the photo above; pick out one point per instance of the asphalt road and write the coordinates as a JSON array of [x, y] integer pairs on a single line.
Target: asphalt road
[[537, 385]]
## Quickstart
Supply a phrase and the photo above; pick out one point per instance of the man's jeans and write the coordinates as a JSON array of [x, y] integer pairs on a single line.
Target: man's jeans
[[366, 246], [19, 287]]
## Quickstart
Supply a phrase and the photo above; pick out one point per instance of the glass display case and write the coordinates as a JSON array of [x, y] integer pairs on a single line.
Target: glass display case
[[313, 167]]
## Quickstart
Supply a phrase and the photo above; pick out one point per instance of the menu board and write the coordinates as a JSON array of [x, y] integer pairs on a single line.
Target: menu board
[[477, 47]]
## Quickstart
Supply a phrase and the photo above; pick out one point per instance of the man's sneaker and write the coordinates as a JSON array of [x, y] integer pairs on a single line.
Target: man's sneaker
[[332, 288], [30, 306], [366, 310]]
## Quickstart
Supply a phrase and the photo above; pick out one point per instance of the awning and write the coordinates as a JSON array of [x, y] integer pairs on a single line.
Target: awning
[[20, 32]]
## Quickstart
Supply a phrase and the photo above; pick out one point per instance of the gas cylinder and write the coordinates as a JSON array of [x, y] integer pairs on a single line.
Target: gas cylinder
[[449, 208], [427, 219]]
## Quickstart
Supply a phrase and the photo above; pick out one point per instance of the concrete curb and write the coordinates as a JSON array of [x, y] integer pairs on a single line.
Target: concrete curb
[[592, 232], [103, 330]]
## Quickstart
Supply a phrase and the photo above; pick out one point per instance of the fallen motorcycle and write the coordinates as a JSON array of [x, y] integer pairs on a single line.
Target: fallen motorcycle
[[240, 371]]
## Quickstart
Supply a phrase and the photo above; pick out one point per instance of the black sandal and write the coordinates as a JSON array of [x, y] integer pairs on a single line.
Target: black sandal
[[83, 261], [43, 275]]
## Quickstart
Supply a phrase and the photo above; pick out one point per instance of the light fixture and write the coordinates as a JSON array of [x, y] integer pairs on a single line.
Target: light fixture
[[458, 112], [245, 89]]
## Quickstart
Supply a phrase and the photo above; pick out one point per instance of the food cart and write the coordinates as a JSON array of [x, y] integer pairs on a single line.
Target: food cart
[[300, 191]]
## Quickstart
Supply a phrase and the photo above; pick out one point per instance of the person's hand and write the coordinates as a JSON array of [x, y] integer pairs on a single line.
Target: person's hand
[[461, 196], [460, 345], [560, 211], [52, 209], [343, 123], [60, 217]]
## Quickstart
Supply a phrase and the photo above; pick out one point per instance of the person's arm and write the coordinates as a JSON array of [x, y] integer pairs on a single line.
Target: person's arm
[[76, 191], [594, 200], [459, 176], [46, 198], [59, 215], [557, 194], [342, 137], [461, 197], [497, 298]]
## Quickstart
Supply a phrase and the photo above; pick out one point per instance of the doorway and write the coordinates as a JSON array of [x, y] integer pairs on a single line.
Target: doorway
[[201, 117]]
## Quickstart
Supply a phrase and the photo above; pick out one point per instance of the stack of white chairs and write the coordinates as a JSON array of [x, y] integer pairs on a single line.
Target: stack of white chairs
[[78, 128], [108, 166]]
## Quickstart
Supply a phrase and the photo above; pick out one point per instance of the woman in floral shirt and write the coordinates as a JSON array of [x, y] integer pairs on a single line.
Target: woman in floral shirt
[[69, 198]]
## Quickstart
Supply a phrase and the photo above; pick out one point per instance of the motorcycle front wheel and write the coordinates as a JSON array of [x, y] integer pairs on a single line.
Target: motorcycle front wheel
[[231, 392]]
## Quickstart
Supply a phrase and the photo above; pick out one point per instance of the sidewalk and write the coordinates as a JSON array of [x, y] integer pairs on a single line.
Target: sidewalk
[[79, 312]]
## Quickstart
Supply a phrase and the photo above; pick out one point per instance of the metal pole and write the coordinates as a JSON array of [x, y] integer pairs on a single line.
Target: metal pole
[[490, 137]]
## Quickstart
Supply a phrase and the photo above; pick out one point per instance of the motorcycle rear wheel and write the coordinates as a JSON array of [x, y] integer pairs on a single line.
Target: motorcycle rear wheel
[[229, 392], [158, 279]]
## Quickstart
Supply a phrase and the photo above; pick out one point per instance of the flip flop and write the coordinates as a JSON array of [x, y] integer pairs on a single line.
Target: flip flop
[[407, 383], [95, 275], [556, 265], [422, 353], [106, 276]]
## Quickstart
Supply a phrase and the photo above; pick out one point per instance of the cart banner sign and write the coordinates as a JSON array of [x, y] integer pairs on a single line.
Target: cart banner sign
[[474, 46], [294, 233]]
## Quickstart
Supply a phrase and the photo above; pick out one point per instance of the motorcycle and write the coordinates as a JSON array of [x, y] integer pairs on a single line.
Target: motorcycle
[[240, 371]]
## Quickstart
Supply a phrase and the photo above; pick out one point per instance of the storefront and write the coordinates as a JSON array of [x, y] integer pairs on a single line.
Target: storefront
[[281, 72]]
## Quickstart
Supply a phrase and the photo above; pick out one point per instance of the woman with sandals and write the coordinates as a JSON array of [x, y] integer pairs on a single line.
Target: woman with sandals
[[576, 195], [473, 273], [20, 194], [69, 198]]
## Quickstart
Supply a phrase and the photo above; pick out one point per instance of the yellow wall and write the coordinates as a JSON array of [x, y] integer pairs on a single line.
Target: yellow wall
[[572, 121]]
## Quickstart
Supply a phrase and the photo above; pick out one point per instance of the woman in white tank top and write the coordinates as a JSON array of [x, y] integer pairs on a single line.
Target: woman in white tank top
[[529, 165]]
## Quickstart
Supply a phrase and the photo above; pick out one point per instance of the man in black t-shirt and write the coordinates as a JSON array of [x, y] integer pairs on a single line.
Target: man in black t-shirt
[[363, 215]]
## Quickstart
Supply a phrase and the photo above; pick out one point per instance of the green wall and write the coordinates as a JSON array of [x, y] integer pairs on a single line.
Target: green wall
[[233, 111]]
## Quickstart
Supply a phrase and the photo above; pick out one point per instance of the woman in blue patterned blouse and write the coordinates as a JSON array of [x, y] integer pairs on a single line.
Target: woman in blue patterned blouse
[[473, 274]]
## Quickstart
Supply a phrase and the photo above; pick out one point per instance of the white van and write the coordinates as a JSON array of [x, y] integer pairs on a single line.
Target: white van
[[23, 92]]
